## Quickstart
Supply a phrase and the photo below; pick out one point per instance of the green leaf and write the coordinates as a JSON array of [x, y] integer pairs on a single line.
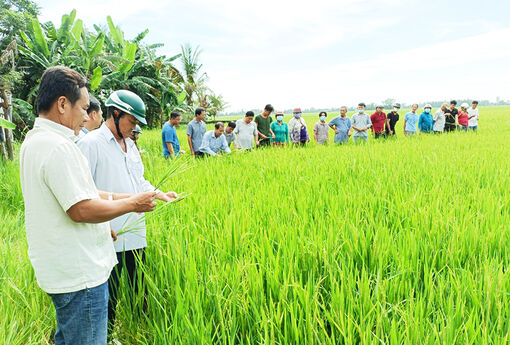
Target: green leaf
[[27, 40], [181, 97], [97, 48], [128, 54], [115, 32], [77, 29], [95, 80], [39, 37], [7, 124]]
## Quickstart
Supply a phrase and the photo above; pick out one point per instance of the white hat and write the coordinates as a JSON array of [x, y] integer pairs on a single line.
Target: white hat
[[427, 106], [464, 105]]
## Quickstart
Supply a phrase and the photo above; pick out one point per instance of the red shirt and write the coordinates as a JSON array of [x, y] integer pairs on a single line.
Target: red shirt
[[378, 121], [463, 118]]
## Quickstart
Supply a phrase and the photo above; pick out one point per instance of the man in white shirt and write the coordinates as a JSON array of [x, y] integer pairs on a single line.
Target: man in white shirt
[[473, 116], [115, 164], [69, 242], [247, 133]]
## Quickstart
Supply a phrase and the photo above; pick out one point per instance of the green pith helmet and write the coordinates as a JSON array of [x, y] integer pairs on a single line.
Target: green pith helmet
[[128, 102]]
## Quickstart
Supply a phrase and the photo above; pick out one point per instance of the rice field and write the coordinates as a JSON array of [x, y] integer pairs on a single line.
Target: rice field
[[400, 241]]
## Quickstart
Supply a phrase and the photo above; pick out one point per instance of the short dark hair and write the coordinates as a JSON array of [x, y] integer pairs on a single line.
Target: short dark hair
[[474, 102], [250, 113], [199, 111], [111, 109], [59, 81], [218, 125], [323, 112], [94, 105], [232, 124], [269, 108], [174, 114], [362, 105], [453, 102]]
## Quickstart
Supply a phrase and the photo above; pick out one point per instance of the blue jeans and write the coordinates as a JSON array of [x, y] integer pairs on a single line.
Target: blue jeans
[[473, 128], [82, 316], [363, 139]]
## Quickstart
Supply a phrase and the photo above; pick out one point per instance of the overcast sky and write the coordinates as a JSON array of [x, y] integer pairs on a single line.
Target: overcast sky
[[325, 53]]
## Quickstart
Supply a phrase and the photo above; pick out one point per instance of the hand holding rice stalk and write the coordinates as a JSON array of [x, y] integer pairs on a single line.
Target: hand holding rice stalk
[[136, 224]]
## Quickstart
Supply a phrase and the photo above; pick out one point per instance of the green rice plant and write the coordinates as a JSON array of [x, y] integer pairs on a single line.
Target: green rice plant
[[401, 241]]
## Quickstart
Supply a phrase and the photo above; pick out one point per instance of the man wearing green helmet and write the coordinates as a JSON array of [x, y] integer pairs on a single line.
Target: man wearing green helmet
[[116, 165]]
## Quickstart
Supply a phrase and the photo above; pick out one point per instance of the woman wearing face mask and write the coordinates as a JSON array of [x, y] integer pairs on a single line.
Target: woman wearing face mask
[[426, 121], [297, 128], [280, 130], [321, 129], [463, 117]]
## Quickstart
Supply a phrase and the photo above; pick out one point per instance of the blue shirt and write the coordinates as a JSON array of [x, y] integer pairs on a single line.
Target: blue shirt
[[426, 122], [342, 125], [361, 121], [196, 131], [169, 135], [212, 144], [411, 120]]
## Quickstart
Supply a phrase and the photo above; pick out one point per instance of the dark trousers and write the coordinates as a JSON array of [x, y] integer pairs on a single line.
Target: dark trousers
[[264, 143], [450, 127], [379, 135], [128, 263]]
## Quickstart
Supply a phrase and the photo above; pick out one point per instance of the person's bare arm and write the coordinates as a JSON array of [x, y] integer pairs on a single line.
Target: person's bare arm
[[170, 148], [190, 145], [100, 211]]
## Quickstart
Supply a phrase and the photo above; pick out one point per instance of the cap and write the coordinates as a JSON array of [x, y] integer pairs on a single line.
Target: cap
[[396, 105], [279, 112], [464, 105], [297, 110], [137, 129], [427, 106]]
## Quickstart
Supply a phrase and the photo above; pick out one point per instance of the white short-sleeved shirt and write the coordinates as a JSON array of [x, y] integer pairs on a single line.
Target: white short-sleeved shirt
[[114, 170], [245, 134], [66, 256], [474, 120]]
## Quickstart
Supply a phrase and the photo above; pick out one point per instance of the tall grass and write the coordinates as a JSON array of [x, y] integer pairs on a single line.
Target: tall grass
[[401, 241]]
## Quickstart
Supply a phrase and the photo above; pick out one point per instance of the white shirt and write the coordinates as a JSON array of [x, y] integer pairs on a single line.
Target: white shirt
[[245, 134], [114, 170], [66, 256], [473, 121], [439, 121]]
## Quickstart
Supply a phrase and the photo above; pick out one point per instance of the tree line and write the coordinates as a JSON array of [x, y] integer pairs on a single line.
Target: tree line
[[104, 55]]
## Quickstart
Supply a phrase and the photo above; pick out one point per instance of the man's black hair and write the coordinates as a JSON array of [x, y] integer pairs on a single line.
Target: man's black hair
[[453, 102], [269, 108], [174, 114], [199, 111], [323, 112], [232, 124], [94, 105], [474, 102], [362, 105], [218, 125], [59, 81], [250, 113]]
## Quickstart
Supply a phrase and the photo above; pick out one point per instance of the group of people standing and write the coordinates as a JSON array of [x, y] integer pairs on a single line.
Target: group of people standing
[[260, 131]]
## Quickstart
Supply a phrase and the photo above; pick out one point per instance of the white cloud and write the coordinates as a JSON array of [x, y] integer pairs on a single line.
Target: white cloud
[[416, 74]]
